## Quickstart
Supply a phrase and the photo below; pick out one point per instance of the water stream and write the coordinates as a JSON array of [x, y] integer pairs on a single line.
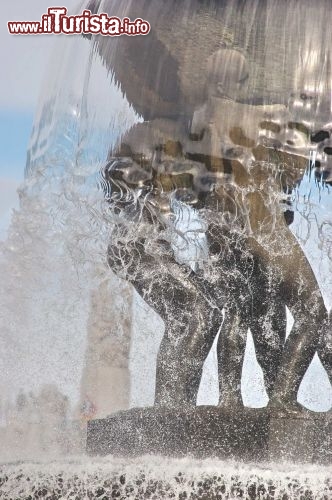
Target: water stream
[[77, 341]]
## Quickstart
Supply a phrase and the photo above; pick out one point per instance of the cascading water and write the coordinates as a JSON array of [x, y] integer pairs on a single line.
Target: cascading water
[[123, 172]]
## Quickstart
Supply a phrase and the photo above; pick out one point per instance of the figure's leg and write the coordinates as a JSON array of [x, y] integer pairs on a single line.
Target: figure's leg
[[191, 325], [256, 304], [324, 349], [266, 318], [303, 297], [191, 321], [234, 267], [186, 343], [230, 349], [268, 329]]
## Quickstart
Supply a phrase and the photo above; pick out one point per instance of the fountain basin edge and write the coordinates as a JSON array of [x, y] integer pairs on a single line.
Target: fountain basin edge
[[243, 434]]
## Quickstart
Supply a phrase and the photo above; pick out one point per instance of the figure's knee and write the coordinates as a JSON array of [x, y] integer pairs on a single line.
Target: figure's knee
[[324, 348], [310, 322], [310, 309], [268, 338], [179, 373]]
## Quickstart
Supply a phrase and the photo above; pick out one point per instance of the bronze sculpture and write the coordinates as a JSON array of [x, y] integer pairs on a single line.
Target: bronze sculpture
[[226, 133]]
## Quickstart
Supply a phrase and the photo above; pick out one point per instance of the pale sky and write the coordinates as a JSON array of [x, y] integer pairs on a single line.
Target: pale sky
[[23, 61], [23, 58]]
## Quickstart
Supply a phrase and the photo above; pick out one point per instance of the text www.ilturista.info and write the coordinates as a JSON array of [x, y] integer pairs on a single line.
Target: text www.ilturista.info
[[57, 22]]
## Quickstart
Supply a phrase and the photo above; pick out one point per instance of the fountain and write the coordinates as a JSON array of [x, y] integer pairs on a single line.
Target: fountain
[[178, 181], [230, 126]]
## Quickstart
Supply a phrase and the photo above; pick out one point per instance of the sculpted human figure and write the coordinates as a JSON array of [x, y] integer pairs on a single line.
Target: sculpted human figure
[[252, 286], [208, 142], [269, 239]]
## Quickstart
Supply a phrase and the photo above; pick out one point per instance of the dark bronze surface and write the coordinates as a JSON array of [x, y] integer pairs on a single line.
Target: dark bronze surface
[[205, 431], [235, 97]]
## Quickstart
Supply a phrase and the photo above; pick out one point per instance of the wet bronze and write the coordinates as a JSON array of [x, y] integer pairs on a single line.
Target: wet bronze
[[230, 119]]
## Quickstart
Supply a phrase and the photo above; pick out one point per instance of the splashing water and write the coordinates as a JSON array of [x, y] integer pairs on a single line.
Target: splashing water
[[55, 253], [162, 478], [68, 324]]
